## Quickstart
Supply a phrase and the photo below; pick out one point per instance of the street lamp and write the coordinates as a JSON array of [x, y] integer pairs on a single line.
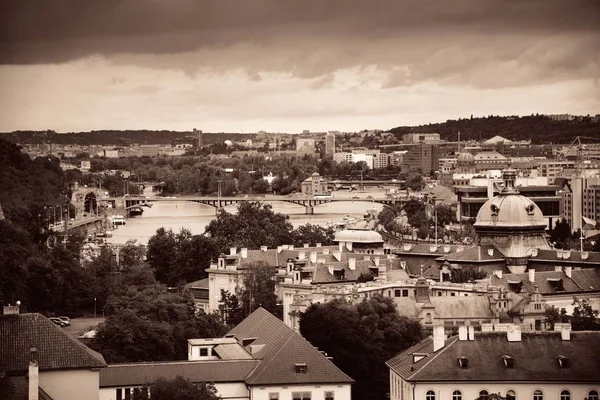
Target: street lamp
[[94, 307]]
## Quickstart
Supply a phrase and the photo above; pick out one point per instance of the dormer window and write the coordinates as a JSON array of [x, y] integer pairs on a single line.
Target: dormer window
[[557, 284], [300, 368], [509, 362], [203, 351], [563, 361], [463, 362], [418, 357]]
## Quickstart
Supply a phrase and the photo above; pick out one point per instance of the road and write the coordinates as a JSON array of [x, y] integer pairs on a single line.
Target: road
[[81, 325]]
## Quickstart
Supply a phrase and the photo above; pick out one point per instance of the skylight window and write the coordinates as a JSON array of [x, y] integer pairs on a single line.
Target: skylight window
[[300, 368], [463, 362], [509, 362]]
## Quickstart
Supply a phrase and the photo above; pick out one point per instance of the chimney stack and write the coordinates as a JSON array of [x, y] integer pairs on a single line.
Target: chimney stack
[[471, 332], [232, 251], [568, 271], [463, 333], [531, 275], [513, 333], [439, 337], [301, 255], [313, 257], [565, 330], [34, 376], [352, 263], [341, 246], [306, 245], [244, 252], [264, 248], [376, 261], [318, 245]]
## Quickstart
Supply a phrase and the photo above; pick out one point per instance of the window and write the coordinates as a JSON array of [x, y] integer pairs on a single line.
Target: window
[[483, 393], [329, 395], [203, 352], [301, 395], [565, 395], [300, 368], [457, 395], [511, 395], [430, 395], [127, 394], [119, 394], [397, 293], [274, 396], [404, 292], [538, 395], [592, 395]]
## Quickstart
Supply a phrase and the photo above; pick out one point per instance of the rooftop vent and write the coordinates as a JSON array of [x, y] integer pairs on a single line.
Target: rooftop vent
[[463, 362], [490, 252], [534, 252], [584, 255], [300, 368], [509, 362], [563, 361], [446, 249]]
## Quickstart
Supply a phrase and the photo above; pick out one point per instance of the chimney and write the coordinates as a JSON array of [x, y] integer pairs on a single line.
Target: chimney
[[463, 333], [264, 248], [338, 255], [382, 273], [313, 257], [471, 332], [232, 251], [352, 263], [531, 275], [244, 252], [34, 376], [439, 337], [513, 333], [341, 246], [291, 247], [376, 261], [568, 271], [306, 245], [565, 330], [498, 273], [11, 310], [279, 249], [325, 251], [318, 245], [366, 258], [301, 255]]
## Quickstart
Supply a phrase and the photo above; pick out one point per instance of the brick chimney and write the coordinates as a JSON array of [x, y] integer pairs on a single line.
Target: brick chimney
[[34, 376]]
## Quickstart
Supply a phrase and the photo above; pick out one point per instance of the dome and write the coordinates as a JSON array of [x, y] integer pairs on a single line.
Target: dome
[[358, 236], [465, 158], [510, 209]]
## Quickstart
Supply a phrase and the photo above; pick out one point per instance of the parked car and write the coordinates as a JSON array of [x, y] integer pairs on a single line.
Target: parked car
[[88, 335], [65, 320], [58, 321]]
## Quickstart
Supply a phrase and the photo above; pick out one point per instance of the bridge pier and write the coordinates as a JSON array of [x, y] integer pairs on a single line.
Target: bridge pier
[[309, 210]]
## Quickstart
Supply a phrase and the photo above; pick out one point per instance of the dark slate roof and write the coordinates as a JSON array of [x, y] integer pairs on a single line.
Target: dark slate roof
[[55, 348], [551, 256], [321, 271], [272, 258], [134, 374], [425, 249], [201, 284], [283, 348], [584, 280], [534, 359], [477, 254]]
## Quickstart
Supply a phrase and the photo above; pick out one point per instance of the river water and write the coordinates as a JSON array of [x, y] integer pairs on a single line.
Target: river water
[[195, 217]]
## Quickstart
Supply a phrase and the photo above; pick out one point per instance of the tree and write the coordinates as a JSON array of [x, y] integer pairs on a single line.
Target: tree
[[258, 290], [232, 312], [152, 324], [254, 225], [414, 180], [180, 389], [90, 203], [553, 316], [360, 338], [584, 318], [561, 232], [465, 275], [162, 251], [313, 234], [445, 215], [132, 255]]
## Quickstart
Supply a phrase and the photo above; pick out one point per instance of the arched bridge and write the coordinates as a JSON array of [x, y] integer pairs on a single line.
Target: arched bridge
[[218, 202]]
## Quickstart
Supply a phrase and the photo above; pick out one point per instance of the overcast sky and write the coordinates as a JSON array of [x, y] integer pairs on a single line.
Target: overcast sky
[[289, 65]]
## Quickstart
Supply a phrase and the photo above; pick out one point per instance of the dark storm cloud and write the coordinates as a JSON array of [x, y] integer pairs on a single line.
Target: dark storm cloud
[[416, 40]]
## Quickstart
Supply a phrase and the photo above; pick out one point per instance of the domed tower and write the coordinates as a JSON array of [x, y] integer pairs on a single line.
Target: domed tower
[[513, 223], [465, 163]]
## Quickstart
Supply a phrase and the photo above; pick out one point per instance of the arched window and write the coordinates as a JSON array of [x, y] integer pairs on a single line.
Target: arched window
[[483, 393], [565, 395], [538, 395], [456, 395], [592, 395], [511, 395], [428, 318], [430, 395]]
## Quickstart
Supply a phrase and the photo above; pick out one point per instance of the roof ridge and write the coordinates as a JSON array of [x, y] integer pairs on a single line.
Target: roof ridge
[[436, 354], [174, 362]]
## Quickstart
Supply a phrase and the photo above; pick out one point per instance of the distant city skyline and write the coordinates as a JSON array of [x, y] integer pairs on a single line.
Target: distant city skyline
[[343, 65]]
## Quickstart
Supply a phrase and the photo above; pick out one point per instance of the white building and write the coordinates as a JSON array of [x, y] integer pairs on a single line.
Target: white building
[[259, 359], [530, 366]]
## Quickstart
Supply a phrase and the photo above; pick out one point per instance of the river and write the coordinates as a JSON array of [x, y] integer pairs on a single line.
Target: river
[[195, 217]]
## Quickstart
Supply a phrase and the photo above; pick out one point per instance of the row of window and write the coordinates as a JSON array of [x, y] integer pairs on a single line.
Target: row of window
[[511, 395], [329, 395]]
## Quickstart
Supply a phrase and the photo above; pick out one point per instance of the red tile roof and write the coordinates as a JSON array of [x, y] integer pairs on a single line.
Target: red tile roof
[[55, 348], [283, 348], [535, 359]]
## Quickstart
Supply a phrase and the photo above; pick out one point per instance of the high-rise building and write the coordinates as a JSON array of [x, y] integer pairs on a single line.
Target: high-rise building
[[199, 139], [330, 143]]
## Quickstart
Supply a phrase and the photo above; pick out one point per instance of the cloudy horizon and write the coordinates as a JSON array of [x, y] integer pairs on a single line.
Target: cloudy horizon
[[287, 65]]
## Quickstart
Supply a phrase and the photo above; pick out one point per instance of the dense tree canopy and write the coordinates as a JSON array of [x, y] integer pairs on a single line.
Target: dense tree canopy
[[152, 324], [181, 389], [360, 338]]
